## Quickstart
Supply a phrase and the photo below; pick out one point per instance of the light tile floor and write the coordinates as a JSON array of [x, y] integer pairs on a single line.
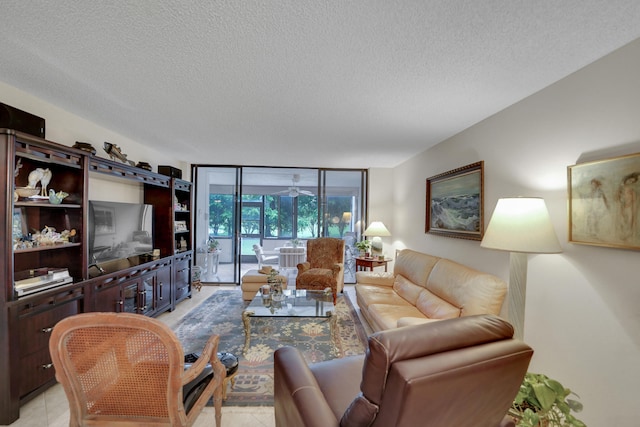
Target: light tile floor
[[50, 408]]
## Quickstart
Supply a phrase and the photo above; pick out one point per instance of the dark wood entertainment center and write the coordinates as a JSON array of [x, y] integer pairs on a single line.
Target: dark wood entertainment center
[[141, 284]]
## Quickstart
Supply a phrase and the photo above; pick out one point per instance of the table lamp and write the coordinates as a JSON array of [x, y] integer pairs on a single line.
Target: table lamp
[[520, 225], [376, 230]]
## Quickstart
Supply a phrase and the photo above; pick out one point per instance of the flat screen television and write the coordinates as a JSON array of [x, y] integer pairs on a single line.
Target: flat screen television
[[119, 230]]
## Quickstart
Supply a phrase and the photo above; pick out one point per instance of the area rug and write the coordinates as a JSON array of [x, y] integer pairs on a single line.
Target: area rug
[[221, 314]]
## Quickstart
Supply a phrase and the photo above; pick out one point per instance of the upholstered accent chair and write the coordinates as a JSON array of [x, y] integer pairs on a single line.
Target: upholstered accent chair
[[324, 267], [456, 372], [128, 369]]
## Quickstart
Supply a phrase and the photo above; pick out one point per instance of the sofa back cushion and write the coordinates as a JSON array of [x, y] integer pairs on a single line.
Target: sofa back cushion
[[472, 291], [435, 307], [406, 289], [414, 266], [388, 347]]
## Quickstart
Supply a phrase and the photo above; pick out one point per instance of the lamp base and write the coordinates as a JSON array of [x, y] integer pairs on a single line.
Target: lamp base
[[376, 246], [517, 292]]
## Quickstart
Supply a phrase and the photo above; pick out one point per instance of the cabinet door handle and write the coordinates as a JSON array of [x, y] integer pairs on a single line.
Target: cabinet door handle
[[47, 330], [47, 366]]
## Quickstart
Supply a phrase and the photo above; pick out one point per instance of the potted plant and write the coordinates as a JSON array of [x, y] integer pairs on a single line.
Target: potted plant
[[543, 402], [363, 247], [213, 245]]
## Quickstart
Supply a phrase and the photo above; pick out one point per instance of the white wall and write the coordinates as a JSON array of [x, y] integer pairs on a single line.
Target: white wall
[[582, 311], [65, 128]]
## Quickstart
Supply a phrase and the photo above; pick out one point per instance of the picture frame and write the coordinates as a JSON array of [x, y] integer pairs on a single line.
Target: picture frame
[[604, 202], [455, 203], [104, 220], [180, 226], [19, 224]]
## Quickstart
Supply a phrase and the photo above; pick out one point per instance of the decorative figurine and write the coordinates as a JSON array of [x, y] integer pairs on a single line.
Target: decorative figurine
[[85, 146], [17, 169], [115, 153], [144, 165], [42, 175], [56, 198]]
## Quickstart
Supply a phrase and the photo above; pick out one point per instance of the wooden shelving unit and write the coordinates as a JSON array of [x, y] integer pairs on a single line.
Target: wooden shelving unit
[[148, 286]]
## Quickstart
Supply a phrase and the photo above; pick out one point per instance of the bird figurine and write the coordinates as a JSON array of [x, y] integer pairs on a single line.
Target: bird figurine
[[56, 198], [44, 181], [41, 175], [34, 177]]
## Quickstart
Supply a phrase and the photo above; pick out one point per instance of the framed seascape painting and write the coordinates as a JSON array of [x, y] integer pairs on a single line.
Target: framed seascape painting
[[455, 203], [604, 202]]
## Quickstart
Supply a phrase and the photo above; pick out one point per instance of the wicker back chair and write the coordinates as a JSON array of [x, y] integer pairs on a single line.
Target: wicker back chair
[[129, 369]]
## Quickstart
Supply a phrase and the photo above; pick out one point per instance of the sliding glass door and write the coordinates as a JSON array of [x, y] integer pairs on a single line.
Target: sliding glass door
[[217, 219], [272, 207], [343, 207]]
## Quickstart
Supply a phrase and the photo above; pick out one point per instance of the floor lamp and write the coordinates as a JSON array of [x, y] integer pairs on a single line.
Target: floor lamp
[[520, 225], [376, 230]]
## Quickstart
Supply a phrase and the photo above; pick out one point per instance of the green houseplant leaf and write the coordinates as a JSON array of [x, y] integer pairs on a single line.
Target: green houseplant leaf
[[542, 401]]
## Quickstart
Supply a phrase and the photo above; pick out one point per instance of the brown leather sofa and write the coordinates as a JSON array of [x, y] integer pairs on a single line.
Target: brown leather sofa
[[457, 372]]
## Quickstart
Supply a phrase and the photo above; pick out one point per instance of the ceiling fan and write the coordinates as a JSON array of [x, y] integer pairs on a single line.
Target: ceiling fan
[[294, 190]]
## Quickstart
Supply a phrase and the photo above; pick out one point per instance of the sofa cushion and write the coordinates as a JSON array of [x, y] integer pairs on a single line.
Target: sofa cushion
[[472, 291], [406, 289], [410, 321], [415, 266], [385, 316], [361, 413], [371, 294], [435, 307], [375, 278]]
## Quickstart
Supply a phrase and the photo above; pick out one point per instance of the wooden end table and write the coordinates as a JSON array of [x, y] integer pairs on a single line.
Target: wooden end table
[[370, 263]]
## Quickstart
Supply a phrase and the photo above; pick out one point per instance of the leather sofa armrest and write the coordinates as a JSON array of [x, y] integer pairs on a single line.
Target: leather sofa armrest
[[375, 278], [298, 400]]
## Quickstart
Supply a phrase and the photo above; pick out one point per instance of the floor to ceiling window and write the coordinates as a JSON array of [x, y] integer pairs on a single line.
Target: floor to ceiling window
[[238, 208]]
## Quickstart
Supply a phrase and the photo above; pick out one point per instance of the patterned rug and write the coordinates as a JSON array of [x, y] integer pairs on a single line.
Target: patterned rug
[[221, 313]]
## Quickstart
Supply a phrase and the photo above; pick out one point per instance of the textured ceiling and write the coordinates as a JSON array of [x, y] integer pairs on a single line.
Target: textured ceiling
[[333, 83]]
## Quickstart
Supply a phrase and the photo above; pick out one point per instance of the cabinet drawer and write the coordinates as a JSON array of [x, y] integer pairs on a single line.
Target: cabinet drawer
[[35, 330], [35, 370], [182, 290], [182, 271], [181, 279]]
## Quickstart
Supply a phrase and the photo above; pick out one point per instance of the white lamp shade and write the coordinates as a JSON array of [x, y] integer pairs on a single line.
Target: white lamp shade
[[377, 229], [521, 224]]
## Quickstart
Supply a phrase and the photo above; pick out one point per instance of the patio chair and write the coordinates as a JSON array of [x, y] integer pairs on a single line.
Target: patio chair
[[128, 369], [265, 257]]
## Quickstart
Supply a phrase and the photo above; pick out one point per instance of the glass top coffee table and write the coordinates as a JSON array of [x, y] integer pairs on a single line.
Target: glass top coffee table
[[295, 304]]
